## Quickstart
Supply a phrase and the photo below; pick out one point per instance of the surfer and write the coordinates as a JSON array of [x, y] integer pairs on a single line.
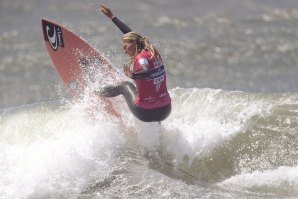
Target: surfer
[[148, 99]]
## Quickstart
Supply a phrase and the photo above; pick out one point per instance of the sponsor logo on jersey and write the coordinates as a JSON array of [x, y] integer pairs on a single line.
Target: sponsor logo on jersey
[[156, 72], [53, 34], [143, 62]]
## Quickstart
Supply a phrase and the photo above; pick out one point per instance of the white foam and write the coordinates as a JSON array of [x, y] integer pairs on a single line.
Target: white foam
[[58, 153], [280, 181], [149, 135], [204, 118]]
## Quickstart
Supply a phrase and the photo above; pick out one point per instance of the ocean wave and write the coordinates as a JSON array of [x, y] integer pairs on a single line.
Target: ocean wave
[[215, 137]]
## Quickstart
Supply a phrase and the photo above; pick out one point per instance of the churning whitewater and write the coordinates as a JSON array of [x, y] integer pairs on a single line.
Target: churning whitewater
[[217, 142]]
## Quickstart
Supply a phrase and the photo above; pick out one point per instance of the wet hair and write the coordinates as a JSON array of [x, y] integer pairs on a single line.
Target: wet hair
[[141, 42]]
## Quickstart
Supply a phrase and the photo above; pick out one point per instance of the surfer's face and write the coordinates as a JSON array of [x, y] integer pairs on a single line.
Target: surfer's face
[[129, 47]]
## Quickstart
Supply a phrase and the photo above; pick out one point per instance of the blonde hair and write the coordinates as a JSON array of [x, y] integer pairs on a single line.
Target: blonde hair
[[141, 42]]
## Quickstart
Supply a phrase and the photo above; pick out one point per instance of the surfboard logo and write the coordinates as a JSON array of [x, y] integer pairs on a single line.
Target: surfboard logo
[[53, 34], [72, 84]]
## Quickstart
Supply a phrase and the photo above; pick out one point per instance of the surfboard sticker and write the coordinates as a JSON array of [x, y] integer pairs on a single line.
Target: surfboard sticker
[[77, 62], [53, 34]]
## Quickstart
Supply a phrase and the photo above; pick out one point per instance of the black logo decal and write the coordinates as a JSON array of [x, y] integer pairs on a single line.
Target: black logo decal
[[53, 34]]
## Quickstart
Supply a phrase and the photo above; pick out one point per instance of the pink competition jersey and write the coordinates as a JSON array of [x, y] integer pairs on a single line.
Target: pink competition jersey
[[151, 92]]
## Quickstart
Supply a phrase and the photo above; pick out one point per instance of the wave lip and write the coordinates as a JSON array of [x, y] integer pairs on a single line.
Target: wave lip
[[222, 137]]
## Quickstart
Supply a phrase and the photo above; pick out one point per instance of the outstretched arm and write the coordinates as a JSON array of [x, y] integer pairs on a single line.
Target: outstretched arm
[[122, 26]]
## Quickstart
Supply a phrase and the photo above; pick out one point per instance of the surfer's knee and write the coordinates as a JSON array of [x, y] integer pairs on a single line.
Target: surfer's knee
[[127, 84]]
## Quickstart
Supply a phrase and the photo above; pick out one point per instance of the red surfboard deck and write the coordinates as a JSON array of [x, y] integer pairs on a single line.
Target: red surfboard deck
[[75, 61]]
